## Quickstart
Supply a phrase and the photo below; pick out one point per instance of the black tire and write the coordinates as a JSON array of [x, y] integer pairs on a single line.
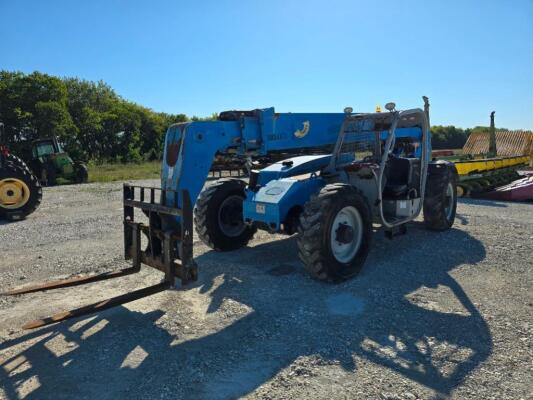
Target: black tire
[[82, 174], [48, 174], [32, 189], [17, 161], [439, 208], [211, 212], [315, 230]]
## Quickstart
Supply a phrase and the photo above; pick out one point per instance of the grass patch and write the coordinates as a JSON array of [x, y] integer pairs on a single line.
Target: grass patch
[[124, 172]]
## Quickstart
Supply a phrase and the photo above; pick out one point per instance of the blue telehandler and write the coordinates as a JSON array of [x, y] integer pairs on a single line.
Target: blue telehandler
[[331, 178]]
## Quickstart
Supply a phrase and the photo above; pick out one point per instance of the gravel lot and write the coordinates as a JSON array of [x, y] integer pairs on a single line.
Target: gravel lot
[[431, 316]]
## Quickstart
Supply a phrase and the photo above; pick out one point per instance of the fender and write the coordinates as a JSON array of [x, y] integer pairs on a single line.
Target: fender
[[281, 188]]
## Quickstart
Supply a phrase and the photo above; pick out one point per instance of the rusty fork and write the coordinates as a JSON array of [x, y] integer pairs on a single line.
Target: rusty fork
[[164, 247]]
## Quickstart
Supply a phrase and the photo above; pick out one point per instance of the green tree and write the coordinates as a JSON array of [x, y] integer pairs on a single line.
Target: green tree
[[33, 106], [448, 137]]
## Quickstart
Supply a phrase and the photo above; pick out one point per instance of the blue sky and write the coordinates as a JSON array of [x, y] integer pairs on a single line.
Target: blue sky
[[199, 57]]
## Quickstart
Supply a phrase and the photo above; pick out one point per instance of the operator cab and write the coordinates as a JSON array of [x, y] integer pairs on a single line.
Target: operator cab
[[403, 168], [43, 148], [384, 155]]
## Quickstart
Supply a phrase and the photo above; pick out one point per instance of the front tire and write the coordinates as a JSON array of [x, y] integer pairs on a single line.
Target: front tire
[[82, 174], [335, 233], [440, 201], [218, 216]]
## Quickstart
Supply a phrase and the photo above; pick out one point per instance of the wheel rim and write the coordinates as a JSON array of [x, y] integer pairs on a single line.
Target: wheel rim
[[14, 193], [230, 216], [449, 201], [346, 234]]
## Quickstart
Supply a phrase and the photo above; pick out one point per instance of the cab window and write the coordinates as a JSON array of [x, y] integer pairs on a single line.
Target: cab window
[[43, 149]]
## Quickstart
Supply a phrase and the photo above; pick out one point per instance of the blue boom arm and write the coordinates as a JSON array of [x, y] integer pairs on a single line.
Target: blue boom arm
[[191, 147]]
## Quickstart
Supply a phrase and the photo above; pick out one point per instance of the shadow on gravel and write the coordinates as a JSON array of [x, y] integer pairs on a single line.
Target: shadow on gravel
[[404, 312], [463, 220], [483, 202]]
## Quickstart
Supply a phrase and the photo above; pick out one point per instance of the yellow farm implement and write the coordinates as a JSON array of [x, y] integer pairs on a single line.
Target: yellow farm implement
[[491, 159]]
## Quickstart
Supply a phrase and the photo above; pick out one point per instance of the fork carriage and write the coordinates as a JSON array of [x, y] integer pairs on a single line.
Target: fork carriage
[[169, 250]]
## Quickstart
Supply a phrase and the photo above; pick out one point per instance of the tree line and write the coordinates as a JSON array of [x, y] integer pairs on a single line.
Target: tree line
[[450, 137], [89, 118], [95, 123]]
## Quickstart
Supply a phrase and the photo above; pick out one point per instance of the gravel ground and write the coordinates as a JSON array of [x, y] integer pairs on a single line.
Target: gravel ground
[[432, 315]]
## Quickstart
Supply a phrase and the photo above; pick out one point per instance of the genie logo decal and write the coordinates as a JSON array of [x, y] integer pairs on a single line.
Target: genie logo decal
[[304, 131]]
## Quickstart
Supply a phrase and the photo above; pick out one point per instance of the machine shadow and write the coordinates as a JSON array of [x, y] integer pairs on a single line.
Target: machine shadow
[[381, 316], [479, 201]]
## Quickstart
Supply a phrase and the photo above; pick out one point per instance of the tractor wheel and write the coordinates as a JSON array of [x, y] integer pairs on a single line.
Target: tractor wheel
[[440, 201], [48, 174], [82, 174], [17, 161], [335, 233], [462, 191], [218, 216], [20, 192]]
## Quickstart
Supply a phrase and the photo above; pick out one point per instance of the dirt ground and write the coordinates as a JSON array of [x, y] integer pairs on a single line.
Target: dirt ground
[[432, 315]]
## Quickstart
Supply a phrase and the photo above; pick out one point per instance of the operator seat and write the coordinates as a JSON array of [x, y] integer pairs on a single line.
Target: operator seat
[[397, 172]]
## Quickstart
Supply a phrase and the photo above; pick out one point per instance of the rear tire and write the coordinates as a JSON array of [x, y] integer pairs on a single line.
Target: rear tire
[[48, 174], [335, 233], [218, 216], [440, 201], [20, 192], [17, 161], [82, 174]]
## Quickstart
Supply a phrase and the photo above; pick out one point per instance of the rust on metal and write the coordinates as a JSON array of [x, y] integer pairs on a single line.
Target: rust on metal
[[154, 207], [100, 306], [79, 280]]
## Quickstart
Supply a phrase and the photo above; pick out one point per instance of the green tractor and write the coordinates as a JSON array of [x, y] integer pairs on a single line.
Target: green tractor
[[50, 163]]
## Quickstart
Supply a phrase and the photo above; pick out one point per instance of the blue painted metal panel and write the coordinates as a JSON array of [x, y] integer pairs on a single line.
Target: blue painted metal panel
[[251, 135], [199, 142], [278, 192], [300, 165], [272, 202], [300, 130]]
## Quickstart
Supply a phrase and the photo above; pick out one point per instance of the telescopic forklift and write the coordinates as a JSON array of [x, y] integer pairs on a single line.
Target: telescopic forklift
[[374, 168]]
